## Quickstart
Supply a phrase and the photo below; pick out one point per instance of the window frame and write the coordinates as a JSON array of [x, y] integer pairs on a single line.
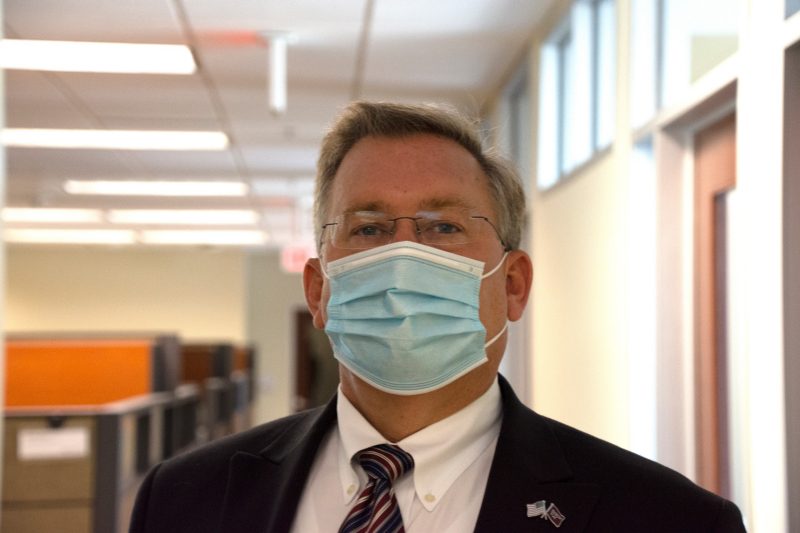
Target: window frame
[[572, 87]]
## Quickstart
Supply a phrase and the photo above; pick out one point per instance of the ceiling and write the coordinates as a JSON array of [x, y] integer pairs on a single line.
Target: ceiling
[[456, 51]]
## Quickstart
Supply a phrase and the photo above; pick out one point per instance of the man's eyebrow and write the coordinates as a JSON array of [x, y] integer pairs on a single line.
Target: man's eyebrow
[[367, 206], [441, 203]]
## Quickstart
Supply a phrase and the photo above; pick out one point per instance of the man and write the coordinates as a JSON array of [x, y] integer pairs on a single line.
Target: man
[[419, 271]]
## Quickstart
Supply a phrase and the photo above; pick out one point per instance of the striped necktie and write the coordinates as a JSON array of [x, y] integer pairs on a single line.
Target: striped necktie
[[376, 509]]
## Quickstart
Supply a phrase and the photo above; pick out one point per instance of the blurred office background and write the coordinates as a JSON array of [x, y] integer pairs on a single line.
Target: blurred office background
[[152, 291]]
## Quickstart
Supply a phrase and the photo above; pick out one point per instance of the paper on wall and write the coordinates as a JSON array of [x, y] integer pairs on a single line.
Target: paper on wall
[[59, 443]]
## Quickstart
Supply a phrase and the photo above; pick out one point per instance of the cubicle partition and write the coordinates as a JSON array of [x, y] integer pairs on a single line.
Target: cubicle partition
[[88, 415], [85, 419], [83, 370], [77, 469], [224, 373]]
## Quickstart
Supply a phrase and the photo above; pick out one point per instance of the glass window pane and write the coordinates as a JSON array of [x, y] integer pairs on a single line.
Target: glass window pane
[[673, 44], [577, 89], [605, 67], [514, 133], [548, 139], [581, 87], [792, 7], [643, 61], [697, 36], [519, 103], [566, 90]]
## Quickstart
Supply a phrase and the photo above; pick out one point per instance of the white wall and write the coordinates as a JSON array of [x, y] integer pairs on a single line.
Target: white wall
[[580, 366], [196, 294], [757, 289], [580, 372], [271, 301]]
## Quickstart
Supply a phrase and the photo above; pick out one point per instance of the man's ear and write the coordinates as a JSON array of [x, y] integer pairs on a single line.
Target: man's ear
[[313, 284], [519, 279]]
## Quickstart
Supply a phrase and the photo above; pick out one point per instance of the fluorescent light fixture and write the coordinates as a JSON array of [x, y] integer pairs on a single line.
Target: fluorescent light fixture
[[156, 188], [72, 56], [286, 187], [278, 44], [51, 215], [214, 237], [115, 139], [277, 75], [208, 217], [70, 236]]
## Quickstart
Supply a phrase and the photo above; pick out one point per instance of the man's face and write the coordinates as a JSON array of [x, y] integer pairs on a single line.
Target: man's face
[[405, 176]]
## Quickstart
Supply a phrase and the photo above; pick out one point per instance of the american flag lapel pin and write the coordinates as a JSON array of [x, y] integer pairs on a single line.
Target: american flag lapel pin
[[542, 510], [555, 516], [537, 509]]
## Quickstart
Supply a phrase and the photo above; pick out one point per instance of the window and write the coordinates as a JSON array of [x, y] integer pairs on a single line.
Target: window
[[518, 124], [604, 73], [673, 44], [576, 93], [515, 140], [792, 7]]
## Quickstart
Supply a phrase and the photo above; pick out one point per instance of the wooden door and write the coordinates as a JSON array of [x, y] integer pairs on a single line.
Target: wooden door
[[316, 370], [715, 175]]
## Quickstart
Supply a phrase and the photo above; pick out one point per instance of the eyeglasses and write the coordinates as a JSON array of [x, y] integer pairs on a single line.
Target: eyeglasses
[[361, 230]]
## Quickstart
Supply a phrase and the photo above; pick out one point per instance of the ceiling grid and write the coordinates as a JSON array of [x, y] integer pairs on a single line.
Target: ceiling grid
[[450, 51]]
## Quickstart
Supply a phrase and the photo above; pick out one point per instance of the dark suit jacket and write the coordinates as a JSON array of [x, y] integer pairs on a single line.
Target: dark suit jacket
[[252, 482]]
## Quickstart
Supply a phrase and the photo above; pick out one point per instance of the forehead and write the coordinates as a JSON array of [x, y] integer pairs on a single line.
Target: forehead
[[408, 174]]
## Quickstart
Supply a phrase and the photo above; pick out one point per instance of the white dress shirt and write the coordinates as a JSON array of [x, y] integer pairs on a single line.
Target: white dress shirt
[[452, 459]]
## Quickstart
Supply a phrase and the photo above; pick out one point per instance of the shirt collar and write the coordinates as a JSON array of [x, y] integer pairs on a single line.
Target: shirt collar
[[441, 451]]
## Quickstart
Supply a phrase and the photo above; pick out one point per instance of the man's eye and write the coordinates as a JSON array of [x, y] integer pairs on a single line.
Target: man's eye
[[368, 230], [445, 227]]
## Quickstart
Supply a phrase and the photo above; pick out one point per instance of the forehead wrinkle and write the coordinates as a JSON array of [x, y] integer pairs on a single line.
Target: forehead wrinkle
[[440, 203], [376, 206], [432, 204]]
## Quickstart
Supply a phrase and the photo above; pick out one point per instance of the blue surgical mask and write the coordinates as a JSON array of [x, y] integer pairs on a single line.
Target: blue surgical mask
[[404, 317]]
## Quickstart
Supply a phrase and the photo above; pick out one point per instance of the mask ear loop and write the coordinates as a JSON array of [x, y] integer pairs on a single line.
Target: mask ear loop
[[497, 267], [322, 268], [493, 339], [505, 326]]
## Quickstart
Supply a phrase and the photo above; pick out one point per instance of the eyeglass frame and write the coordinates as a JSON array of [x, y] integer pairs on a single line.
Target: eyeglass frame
[[414, 219]]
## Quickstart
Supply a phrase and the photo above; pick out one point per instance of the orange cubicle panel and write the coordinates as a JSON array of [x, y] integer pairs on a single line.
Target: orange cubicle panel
[[76, 371]]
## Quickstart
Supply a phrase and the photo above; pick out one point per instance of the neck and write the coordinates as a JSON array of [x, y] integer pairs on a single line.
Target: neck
[[396, 417]]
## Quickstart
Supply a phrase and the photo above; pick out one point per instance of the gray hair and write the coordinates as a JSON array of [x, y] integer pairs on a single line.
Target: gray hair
[[365, 119]]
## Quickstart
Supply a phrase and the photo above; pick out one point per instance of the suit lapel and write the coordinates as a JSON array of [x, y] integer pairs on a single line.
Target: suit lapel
[[264, 490], [529, 467]]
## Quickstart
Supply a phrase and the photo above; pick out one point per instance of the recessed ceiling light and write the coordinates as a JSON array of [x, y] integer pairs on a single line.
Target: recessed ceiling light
[[208, 217], [73, 56], [214, 237], [70, 236], [115, 139], [288, 187], [51, 215], [156, 188]]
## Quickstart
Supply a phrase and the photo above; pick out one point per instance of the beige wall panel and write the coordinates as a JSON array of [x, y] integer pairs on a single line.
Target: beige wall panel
[[272, 299], [74, 519], [195, 293], [580, 365]]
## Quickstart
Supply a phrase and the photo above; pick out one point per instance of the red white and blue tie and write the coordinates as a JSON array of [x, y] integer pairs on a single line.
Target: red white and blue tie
[[376, 509]]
